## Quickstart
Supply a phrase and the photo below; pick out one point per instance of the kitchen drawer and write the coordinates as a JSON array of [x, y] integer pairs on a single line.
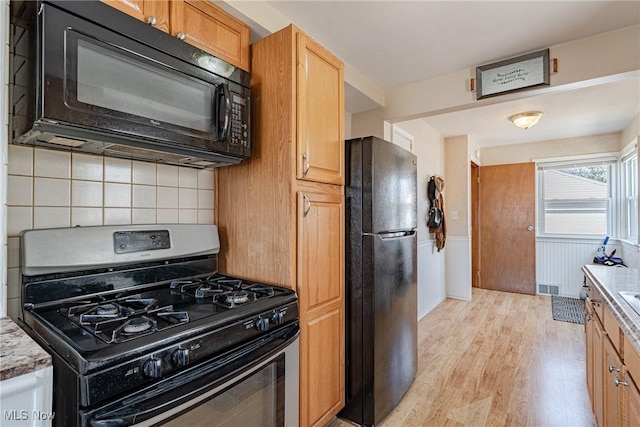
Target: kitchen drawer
[[632, 360], [596, 299], [613, 330]]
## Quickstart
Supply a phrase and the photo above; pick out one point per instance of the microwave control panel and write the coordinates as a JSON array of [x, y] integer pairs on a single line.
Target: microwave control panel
[[239, 120]]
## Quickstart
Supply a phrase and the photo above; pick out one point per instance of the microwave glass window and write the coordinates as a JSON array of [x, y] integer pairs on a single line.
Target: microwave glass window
[[123, 83]]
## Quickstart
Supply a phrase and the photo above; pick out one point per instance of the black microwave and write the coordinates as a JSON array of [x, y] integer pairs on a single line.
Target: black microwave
[[87, 77]]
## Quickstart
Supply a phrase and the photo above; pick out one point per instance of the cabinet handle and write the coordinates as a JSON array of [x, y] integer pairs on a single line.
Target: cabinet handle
[[613, 368], [151, 20], [307, 165], [181, 35], [617, 382], [308, 205]]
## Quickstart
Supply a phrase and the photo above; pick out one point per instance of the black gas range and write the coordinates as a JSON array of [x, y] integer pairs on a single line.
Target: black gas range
[[142, 328]]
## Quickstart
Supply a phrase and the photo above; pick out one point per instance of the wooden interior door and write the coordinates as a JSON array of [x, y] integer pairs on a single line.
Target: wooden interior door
[[507, 228], [475, 229]]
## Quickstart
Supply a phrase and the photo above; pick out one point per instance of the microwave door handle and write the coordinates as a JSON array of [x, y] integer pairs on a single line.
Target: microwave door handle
[[227, 113]]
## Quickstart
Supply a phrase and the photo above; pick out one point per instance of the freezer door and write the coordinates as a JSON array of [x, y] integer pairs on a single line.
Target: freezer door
[[390, 321], [389, 187]]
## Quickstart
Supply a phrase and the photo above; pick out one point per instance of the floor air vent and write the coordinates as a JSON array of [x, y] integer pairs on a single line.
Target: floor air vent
[[548, 289]]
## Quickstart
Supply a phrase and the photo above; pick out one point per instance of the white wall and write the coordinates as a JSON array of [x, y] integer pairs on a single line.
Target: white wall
[[428, 146], [4, 135], [523, 153]]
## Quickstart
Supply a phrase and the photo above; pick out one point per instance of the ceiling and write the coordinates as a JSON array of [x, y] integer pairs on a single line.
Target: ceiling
[[399, 42]]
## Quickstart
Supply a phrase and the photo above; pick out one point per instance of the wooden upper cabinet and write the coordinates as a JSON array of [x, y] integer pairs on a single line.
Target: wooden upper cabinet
[[211, 29], [199, 23], [153, 12], [320, 112]]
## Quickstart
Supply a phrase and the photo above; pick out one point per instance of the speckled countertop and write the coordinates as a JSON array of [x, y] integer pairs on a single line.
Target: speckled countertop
[[610, 281], [19, 354]]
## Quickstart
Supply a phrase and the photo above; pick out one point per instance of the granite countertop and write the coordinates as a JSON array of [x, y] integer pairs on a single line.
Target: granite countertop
[[610, 281], [19, 354]]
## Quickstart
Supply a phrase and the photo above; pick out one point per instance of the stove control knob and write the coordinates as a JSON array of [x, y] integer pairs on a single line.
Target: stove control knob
[[277, 317], [180, 357], [153, 368], [262, 324]]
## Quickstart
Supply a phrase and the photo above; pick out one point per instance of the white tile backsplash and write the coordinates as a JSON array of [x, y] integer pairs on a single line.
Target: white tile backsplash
[[167, 198], [117, 170], [52, 164], [86, 193], [144, 173], [167, 216], [19, 218], [188, 198], [86, 216], [144, 196], [117, 216], [143, 216], [117, 195], [13, 252], [52, 192], [48, 188], [13, 282], [205, 216], [187, 177], [19, 190], [167, 175], [21, 160], [87, 167], [205, 179], [51, 217], [188, 216], [205, 199]]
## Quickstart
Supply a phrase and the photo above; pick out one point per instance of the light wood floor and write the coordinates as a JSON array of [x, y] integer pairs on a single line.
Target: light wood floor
[[498, 360]]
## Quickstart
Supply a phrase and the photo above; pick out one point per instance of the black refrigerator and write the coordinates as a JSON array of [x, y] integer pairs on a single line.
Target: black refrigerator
[[381, 284]]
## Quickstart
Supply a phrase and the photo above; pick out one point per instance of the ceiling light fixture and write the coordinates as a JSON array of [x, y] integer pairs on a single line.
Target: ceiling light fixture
[[526, 120]]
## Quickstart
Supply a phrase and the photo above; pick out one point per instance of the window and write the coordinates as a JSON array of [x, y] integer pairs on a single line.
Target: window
[[576, 198], [629, 193]]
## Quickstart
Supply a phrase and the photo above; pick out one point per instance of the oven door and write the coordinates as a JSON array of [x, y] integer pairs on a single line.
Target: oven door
[[260, 382]]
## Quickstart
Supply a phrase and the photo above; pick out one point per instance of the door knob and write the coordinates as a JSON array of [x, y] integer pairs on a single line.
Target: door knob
[[530, 228]]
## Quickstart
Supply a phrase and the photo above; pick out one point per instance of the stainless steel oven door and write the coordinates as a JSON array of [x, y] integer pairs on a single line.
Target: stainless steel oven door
[[259, 386]]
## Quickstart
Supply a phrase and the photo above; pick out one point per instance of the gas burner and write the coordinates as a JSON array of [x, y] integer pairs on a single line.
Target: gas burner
[[237, 297], [137, 325], [107, 310]]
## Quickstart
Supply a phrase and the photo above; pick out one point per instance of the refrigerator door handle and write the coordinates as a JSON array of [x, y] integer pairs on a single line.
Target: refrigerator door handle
[[393, 235]]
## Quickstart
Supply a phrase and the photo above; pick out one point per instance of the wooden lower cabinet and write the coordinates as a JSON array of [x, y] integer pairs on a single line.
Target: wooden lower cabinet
[[612, 369], [614, 394], [321, 298], [631, 404]]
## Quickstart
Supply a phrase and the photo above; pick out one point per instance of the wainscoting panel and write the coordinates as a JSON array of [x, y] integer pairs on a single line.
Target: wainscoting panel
[[431, 280], [558, 264], [458, 267]]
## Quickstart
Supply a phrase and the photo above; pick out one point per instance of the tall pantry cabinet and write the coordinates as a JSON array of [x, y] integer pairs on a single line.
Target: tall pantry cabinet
[[281, 213]]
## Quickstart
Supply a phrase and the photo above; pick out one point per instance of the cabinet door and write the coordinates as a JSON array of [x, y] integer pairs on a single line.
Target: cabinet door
[[611, 398], [588, 326], [209, 28], [320, 111], [632, 399], [153, 12], [598, 370], [321, 298]]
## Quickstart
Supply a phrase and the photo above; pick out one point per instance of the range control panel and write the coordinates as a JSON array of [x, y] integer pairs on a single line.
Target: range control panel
[[140, 241]]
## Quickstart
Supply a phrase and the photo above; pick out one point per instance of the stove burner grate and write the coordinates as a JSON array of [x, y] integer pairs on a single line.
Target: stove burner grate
[[223, 291]]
